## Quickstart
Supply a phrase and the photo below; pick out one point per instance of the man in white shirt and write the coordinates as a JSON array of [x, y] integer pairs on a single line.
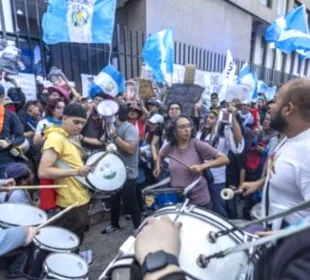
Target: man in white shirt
[[288, 178]]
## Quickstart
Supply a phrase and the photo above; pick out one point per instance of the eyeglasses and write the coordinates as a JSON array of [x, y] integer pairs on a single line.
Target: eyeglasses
[[174, 109], [184, 126]]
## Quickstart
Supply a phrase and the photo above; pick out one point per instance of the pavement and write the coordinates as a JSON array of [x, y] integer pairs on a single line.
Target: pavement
[[104, 247]]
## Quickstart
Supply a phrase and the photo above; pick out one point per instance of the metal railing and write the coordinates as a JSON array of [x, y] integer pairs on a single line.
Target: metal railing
[[75, 59]]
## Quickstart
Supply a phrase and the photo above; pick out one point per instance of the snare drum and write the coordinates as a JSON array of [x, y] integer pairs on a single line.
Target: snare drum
[[65, 266], [197, 223], [159, 198], [110, 173], [13, 214], [50, 239]]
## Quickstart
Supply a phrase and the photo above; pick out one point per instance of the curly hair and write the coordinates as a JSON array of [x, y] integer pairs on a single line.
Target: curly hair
[[172, 129], [51, 106]]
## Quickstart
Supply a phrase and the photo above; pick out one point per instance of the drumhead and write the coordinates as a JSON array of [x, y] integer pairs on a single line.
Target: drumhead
[[13, 214], [66, 265], [57, 238], [109, 174], [197, 223]]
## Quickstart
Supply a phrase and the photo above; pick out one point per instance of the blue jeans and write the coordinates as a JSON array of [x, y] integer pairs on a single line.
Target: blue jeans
[[218, 204]]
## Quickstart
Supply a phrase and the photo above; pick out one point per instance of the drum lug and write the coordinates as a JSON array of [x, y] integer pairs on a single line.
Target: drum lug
[[201, 262], [211, 237]]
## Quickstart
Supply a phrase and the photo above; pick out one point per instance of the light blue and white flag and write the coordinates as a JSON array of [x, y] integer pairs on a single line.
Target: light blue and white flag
[[228, 75], [80, 21], [294, 20], [246, 77], [303, 54], [269, 92], [108, 81], [158, 54]]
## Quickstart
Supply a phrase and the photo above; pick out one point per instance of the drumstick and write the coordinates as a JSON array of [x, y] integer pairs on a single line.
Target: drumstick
[[57, 216], [33, 187], [180, 162], [110, 149]]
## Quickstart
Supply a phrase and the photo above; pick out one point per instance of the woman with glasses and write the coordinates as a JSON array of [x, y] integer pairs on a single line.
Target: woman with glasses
[[196, 157]]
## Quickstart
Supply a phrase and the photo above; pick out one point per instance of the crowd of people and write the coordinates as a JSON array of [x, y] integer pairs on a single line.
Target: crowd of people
[[261, 148]]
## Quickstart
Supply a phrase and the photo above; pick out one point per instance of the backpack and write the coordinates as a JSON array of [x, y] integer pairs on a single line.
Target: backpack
[[289, 259]]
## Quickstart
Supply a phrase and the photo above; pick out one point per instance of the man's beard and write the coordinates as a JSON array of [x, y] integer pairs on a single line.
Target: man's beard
[[278, 123]]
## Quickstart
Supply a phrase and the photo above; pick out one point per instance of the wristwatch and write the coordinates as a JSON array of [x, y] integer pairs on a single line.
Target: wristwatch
[[158, 260]]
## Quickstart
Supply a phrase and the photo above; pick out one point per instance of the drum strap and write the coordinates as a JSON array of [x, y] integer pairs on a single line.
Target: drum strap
[[154, 186], [62, 164], [9, 193]]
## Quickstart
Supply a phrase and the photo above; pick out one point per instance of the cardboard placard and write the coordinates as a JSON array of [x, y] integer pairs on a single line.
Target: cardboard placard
[[186, 95], [145, 89], [131, 90]]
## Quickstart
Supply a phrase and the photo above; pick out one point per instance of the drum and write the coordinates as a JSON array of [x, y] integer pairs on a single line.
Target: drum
[[65, 266], [197, 223], [50, 239], [159, 198], [13, 214], [110, 173], [256, 212]]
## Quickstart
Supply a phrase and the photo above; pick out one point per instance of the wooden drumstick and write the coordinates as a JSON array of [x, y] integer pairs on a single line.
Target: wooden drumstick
[[110, 149], [33, 187], [180, 162], [57, 216]]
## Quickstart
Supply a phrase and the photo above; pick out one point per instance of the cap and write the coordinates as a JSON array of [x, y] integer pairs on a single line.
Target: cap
[[245, 102], [61, 91], [17, 170], [157, 118]]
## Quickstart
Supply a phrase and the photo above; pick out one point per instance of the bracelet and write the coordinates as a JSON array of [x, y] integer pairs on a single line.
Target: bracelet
[[114, 138]]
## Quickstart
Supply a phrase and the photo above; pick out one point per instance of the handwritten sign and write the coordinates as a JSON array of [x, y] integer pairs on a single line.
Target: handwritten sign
[[241, 92], [186, 95], [27, 83], [146, 90], [131, 90], [86, 82]]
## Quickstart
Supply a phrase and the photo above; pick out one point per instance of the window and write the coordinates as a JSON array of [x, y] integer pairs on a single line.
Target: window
[[282, 6], [267, 3]]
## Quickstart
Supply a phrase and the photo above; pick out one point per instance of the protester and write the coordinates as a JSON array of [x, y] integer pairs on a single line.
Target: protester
[[193, 153]]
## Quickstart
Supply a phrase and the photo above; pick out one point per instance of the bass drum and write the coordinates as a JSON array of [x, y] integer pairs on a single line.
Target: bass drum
[[197, 223], [109, 175]]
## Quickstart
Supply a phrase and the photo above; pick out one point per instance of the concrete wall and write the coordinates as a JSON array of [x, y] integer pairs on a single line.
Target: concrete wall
[[210, 24]]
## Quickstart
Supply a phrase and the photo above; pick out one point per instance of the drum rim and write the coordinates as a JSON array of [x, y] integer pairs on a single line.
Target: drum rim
[[198, 215], [23, 205], [47, 269], [57, 249], [98, 190]]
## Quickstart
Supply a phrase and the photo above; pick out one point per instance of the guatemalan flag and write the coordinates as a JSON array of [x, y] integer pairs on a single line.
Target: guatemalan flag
[[108, 81], [158, 54], [246, 77], [290, 32], [269, 92], [80, 21]]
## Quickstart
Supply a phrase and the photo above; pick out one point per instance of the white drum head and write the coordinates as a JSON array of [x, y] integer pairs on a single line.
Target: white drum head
[[66, 265], [57, 238], [13, 214], [256, 211], [109, 174], [197, 223]]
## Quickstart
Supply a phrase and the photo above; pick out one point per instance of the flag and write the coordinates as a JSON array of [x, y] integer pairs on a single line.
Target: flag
[[269, 92], [87, 21], [246, 77], [303, 54], [229, 72], [158, 54], [108, 81], [290, 32], [294, 20]]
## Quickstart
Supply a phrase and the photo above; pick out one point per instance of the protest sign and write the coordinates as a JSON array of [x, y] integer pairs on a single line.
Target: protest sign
[[86, 82], [241, 92], [132, 90], [26, 82], [186, 95]]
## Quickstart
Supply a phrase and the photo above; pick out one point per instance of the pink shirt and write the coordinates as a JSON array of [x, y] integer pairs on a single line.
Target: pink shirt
[[195, 153]]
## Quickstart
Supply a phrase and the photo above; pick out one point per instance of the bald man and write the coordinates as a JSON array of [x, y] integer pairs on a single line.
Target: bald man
[[288, 178]]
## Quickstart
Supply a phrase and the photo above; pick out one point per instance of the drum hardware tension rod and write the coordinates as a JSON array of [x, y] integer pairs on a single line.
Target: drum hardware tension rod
[[213, 236], [203, 260]]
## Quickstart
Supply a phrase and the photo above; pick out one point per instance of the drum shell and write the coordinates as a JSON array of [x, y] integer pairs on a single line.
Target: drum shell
[[159, 198], [33, 267]]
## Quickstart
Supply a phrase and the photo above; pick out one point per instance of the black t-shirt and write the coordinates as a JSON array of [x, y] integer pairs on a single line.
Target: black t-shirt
[[236, 164]]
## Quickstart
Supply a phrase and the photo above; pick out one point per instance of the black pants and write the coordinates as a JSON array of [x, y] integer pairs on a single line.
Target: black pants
[[76, 220], [129, 196]]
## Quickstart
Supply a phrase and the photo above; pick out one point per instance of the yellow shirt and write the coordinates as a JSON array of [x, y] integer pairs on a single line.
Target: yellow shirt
[[56, 139]]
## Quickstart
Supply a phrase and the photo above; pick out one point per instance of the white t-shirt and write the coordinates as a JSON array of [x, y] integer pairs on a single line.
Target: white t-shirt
[[289, 177], [42, 125]]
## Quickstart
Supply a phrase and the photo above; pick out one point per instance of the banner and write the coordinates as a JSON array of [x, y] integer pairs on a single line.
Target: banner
[[27, 82]]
